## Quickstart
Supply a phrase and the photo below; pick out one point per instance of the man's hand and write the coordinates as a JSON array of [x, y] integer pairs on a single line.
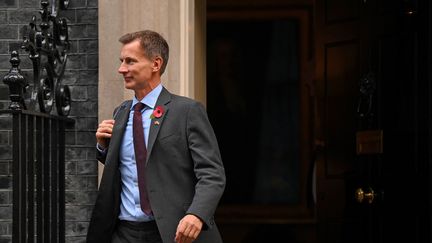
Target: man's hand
[[104, 131], [188, 229]]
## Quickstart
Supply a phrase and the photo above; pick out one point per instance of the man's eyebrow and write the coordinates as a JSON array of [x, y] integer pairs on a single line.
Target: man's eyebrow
[[127, 58]]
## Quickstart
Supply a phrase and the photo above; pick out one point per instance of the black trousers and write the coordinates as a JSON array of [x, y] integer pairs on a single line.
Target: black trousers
[[136, 232]]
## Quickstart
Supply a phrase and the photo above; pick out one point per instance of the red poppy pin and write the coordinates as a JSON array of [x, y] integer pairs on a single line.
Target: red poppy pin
[[157, 112]]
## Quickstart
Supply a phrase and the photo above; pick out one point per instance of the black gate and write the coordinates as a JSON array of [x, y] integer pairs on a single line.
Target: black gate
[[38, 137], [38, 168]]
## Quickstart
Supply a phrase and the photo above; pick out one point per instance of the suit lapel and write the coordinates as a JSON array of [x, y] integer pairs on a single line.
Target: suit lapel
[[121, 117], [156, 123]]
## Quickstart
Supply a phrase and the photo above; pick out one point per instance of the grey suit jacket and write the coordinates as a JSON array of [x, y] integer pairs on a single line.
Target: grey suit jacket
[[185, 174]]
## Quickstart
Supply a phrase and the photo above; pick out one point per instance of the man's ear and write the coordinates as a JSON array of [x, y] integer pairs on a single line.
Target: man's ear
[[157, 64]]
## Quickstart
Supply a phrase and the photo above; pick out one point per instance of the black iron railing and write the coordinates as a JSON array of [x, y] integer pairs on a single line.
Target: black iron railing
[[38, 138], [38, 176]]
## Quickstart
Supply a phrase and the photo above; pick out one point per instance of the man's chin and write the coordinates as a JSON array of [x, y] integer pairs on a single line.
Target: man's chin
[[129, 86]]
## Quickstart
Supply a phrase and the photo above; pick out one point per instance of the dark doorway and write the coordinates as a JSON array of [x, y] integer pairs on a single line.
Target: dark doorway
[[253, 77], [258, 102], [345, 119]]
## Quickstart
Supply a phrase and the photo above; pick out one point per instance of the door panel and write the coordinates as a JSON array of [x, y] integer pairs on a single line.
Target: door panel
[[340, 93], [399, 98], [384, 47], [340, 218]]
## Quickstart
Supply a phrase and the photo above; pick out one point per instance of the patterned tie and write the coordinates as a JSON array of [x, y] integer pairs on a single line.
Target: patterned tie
[[140, 156]]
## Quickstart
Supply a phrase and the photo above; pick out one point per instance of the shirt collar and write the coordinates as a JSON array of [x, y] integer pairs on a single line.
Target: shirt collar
[[150, 99]]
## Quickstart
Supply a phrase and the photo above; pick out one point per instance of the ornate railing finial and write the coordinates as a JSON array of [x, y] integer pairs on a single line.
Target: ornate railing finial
[[16, 82]]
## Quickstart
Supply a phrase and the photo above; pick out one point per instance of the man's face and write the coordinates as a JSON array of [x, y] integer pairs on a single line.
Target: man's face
[[136, 69]]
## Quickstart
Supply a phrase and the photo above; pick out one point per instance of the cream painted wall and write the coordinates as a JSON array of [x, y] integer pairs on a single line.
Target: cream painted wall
[[181, 22]]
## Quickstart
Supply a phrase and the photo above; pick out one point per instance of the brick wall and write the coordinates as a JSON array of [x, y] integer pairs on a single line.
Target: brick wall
[[82, 77]]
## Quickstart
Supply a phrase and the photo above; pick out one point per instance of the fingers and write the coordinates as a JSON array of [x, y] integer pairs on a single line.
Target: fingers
[[195, 235], [104, 132], [179, 235], [188, 229], [183, 233]]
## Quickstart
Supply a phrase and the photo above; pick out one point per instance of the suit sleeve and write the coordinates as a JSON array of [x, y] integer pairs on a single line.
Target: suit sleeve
[[101, 154], [208, 166]]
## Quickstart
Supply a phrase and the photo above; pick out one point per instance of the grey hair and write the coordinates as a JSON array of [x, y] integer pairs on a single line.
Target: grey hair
[[153, 44]]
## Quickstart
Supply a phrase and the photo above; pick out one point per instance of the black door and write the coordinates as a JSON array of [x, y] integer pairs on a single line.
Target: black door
[[373, 96]]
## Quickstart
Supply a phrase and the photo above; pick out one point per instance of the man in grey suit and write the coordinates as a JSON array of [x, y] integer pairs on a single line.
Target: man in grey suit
[[163, 178]]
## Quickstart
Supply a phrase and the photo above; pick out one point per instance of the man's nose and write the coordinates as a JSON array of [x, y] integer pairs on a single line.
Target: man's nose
[[122, 69]]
